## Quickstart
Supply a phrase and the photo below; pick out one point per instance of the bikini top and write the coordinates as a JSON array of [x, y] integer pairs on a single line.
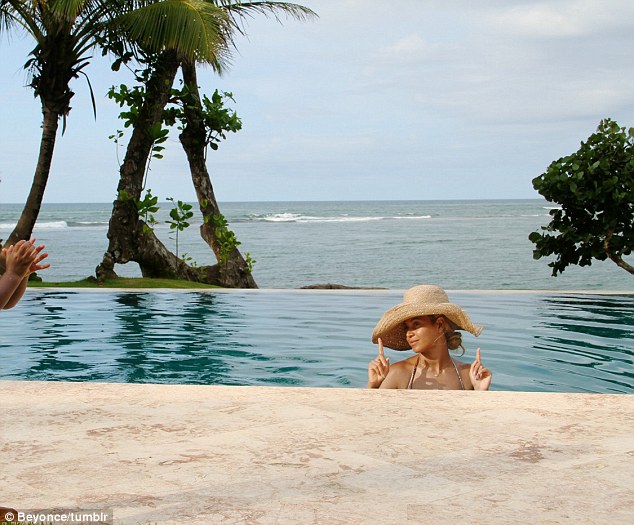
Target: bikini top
[[411, 379]]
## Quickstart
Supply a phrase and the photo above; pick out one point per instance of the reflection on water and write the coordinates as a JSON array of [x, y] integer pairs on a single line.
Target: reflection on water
[[532, 342], [590, 335]]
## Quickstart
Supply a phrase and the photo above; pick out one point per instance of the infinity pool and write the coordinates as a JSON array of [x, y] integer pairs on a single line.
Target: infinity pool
[[532, 341]]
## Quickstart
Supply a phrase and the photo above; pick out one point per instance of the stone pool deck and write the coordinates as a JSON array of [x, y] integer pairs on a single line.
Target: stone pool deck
[[260, 455]]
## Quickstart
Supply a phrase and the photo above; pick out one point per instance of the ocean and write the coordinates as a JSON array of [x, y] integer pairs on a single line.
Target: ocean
[[479, 244]]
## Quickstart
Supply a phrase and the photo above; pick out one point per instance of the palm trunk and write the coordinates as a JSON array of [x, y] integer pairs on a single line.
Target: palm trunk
[[24, 227], [234, 271], [54, 67]]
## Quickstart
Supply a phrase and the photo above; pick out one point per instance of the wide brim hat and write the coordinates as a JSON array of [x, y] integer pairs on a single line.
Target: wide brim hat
[[419, 301]]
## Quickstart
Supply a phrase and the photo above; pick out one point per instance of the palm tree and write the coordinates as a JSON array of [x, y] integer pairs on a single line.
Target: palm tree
[[129, 240], [66, 31]]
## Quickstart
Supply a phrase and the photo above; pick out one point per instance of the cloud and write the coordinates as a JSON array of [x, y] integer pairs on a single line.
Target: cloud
[[538, 21], [488, 91], [564, 19], [413, 49]]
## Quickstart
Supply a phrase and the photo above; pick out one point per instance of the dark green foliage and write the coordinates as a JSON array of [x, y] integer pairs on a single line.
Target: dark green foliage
[[595, 189], [227, 240], [147, 208], [179, 216], [217, 119]]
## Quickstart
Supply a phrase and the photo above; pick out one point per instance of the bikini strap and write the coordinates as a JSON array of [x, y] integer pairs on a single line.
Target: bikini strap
[[458, 373], [411, 379]]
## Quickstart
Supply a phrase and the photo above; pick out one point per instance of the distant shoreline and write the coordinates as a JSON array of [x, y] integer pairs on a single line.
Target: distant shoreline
[[185, 286], [334, 201]]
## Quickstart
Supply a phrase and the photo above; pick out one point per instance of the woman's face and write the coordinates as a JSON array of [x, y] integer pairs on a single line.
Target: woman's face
[[422, 333]]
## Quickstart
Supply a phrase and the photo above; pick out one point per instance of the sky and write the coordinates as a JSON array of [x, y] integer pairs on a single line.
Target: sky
[[373, 100]]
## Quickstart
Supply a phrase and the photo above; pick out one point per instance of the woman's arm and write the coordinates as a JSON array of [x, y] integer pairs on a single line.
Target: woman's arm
[[12, 288]]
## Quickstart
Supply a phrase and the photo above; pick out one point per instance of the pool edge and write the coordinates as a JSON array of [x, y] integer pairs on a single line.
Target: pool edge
[[204, 454]]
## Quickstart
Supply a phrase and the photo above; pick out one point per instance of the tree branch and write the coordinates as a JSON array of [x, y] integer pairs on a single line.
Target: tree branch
[[616, 258]]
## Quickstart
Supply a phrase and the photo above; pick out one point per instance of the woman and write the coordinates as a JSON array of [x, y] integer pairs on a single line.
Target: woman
[[427, 323]]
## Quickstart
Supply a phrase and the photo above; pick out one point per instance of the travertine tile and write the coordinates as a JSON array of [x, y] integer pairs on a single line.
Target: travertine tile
[[214, 454]]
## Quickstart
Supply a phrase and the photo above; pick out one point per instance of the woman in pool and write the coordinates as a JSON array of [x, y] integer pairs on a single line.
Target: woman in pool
[[427, 323]]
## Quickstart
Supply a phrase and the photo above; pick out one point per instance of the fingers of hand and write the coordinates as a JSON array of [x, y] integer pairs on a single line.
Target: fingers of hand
[[24, 250], [381, 347], [39, 267], [380, 367], [40, 257], [481, 372], [23, 245], [476, 369]]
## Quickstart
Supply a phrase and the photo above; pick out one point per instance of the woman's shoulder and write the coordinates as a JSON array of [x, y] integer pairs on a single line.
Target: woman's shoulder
[[462, 365], [400, 372], [407, 363]]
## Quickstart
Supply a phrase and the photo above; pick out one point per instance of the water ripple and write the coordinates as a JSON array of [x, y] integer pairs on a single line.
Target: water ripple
[[532, 341]]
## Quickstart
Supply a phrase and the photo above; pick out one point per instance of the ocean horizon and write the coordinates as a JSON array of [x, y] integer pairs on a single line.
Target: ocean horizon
[[458, 244]]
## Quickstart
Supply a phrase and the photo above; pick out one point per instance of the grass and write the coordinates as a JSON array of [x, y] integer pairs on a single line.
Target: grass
[[122, 282]]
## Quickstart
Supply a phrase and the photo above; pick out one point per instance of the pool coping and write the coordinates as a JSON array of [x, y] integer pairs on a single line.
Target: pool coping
[[361, 291], [258, 455]]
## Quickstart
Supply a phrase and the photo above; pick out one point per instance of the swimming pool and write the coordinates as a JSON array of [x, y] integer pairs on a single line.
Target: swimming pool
[[533, 341]]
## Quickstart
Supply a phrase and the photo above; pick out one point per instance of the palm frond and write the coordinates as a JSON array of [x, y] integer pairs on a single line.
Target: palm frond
[[194, 29], [249, 8], [22, 13], [7, 17], [69, 10], [240, 10]]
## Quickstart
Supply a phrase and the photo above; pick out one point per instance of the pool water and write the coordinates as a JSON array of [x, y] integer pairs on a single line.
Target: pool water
[[534, 341]]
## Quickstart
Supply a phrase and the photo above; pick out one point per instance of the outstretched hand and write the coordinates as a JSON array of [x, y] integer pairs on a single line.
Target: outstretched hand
[[480, 375], [23, 258], [38, 258], [378, 368]]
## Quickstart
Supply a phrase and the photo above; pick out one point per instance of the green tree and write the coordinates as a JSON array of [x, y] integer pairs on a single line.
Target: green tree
[[66, 31], [126, 242], [595, 189]]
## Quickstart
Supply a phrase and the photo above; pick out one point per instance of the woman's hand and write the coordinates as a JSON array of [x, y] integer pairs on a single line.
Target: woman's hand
[[23, 258], [38, 258], [378, 368], [479, 375], [19, 258]]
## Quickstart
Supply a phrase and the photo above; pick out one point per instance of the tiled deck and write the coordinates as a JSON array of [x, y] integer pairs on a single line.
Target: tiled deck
[[253, 455]]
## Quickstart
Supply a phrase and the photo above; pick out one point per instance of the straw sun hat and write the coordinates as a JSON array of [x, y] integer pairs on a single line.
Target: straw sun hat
[[421, 300]]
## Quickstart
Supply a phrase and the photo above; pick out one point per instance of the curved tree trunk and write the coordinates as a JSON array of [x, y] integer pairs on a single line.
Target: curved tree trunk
[[24, 227], [55, 65], [617, 259], [128, 239], [234, 270]]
